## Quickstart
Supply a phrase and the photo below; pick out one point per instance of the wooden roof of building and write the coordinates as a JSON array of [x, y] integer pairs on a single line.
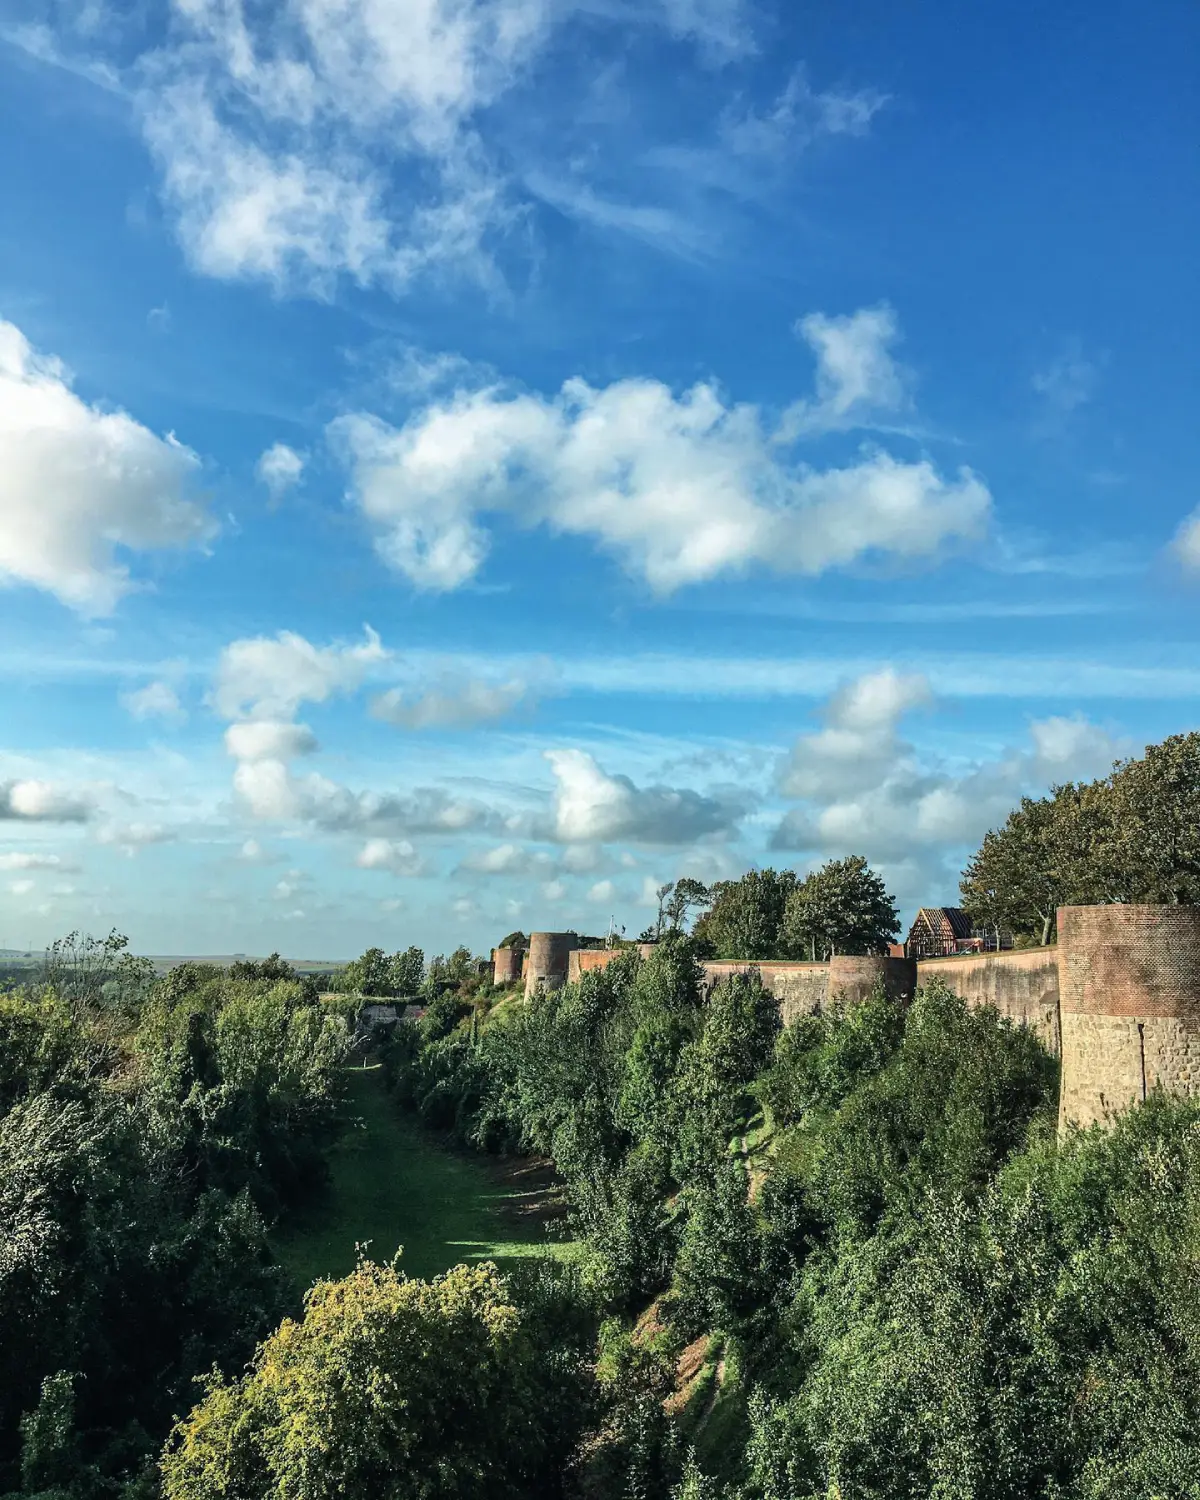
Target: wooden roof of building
[[947, 921]]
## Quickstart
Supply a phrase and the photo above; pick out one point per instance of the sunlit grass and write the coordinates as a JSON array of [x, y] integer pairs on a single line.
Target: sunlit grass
[[393, 1184]]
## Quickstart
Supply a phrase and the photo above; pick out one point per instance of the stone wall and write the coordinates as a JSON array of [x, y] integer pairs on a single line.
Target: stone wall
[[1021, 984], [549, 960], [1129, 980], [800, 988], [507, 964]]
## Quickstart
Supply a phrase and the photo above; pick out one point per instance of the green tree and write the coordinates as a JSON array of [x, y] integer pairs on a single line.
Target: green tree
[[1150, 848], [843, 907], [745, 919], [407, 971], [1045, 856], [389, 1389]]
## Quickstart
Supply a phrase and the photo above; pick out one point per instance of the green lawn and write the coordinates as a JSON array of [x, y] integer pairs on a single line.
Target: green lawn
[[394, 1184]]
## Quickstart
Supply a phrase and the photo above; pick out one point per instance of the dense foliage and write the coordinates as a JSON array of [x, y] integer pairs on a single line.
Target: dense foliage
[[146, 1128], [1132, 836], [843, 907]]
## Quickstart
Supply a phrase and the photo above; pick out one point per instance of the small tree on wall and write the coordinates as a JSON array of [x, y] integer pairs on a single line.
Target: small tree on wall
[[843, 907]]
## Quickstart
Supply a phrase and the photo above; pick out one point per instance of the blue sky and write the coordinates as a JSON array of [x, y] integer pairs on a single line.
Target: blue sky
[[465, 462]]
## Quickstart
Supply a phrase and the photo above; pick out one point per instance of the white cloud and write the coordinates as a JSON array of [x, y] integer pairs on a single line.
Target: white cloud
[[1068, 382], [157, 700], [603, 893], [1186, 545], [254, 853], [269, 739], [507, 859], [450, 705], [592, 806], [130, 837], [554, 891], [42, 802], [857, 377], [397, 856], [866, 790], [270, 677], [21, 887], [797, 117], [681, 489], [279, 469], [22, 860], [82, 487]]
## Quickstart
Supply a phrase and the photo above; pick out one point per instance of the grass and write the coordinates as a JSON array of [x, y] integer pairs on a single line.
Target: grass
[[395, 1184]]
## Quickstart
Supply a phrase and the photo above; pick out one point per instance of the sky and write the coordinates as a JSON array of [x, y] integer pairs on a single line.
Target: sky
[[464, 463]]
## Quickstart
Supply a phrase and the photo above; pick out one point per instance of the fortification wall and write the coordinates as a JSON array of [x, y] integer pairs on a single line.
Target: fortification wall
[[1129, 987], [800, 988], [585, 960], [507, 964], [1022, 985], [549, 961], [852, 977]]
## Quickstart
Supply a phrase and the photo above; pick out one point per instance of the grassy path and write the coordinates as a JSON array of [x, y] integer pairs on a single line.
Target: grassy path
[[393, 1184]]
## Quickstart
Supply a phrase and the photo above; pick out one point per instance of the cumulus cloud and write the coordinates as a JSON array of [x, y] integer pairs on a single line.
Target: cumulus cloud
[[21, 887], [507, 859], [680, 489], [269, 739], [157, 700], [129, 838], [269, 677], [42, 802], [864, 788], [858, 379], [450, 705], [27, 860], [81, 487], [279, 470], [591, 806], [396, 856]]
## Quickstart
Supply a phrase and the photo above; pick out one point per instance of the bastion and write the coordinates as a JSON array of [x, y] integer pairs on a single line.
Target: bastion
[[1129, 1006], [549, 961], [507, 964]]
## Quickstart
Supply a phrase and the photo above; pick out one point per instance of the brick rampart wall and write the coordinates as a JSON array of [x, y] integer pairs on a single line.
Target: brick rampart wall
[[1129, 979], [1022, 985], [800, 988]]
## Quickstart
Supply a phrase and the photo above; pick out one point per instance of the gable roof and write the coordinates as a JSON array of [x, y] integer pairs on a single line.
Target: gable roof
[[946, 921]]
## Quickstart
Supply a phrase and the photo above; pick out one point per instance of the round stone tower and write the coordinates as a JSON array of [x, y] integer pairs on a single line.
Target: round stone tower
[[853, 977], [549, 957], [1129, 1006], [507, 964]]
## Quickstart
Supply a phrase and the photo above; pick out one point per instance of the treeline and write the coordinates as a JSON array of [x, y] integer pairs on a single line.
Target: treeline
[[909, 1286], [150, 1130], [843, 907], [845, 1258], [1133, 835]]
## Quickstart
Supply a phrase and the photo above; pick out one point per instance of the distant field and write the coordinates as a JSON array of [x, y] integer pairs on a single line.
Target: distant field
[[16, 959], [394, 1184]]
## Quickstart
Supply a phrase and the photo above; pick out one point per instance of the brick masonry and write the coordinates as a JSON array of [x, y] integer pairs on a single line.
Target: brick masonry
[[1118, 1000]]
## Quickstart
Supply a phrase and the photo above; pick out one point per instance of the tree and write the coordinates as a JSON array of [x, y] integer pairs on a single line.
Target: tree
[[1150, 845], [389, 1389], [686, 896], [843, 907], [408, 971], [1045, 856], [95, 974], [746, 915]]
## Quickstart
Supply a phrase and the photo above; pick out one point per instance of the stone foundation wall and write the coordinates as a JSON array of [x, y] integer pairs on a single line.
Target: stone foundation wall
[[1022, 985]]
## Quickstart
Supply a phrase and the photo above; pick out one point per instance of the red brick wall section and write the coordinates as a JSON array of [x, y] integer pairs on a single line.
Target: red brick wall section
[[1129, 980]]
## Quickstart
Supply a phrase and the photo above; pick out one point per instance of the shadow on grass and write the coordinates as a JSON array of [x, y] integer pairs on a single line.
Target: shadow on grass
[[394, 1184]]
